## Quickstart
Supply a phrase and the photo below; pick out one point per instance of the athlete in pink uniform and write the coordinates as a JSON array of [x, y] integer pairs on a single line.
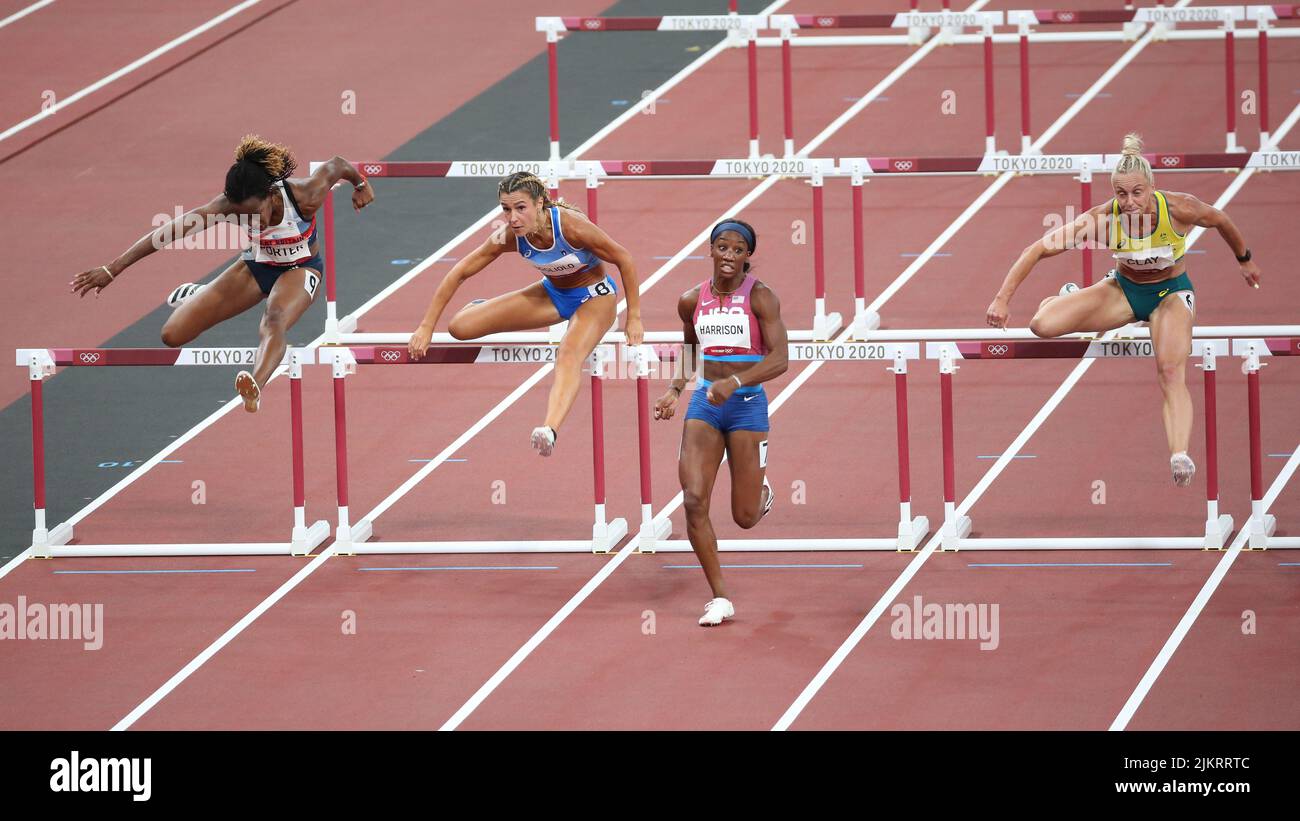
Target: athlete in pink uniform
[[733, 322]]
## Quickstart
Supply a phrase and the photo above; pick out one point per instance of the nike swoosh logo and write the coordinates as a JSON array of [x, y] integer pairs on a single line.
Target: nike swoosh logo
[[749, 398], [702, 302]]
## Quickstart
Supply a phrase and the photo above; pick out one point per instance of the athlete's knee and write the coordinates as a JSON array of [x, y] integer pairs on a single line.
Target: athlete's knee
[[746, 516], [1042, 327], [569, 359], [275, 320], [695, 502], [173, 338], [461, 328], [1171, 373]]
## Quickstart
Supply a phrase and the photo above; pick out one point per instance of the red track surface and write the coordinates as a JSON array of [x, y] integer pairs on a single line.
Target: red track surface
[[1074, 642]]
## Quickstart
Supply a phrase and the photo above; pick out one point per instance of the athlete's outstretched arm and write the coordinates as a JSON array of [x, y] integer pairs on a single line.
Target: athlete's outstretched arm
[[494, 246], [583, 233], [1087, 228], [194, 221], [767, 308], [1189, 210], [313, 191]]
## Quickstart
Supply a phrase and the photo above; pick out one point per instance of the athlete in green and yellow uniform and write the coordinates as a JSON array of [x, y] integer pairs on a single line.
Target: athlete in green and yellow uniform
[[1146, 229]]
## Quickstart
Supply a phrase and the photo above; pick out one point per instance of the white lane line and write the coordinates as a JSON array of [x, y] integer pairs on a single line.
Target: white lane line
[[18, 15], [1175, 639], [127, 69]]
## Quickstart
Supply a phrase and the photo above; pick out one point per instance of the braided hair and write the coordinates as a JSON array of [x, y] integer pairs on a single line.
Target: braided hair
[[1131, 160], [259, 164]]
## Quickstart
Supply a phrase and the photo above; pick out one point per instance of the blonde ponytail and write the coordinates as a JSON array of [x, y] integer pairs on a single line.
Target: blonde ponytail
[[1131, 160]]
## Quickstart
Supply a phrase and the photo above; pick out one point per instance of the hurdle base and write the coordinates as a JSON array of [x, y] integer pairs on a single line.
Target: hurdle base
[[307, 539], [954, 533], [916, 35], [605, 537], [84, 551], [1132, 31], [863, 324], [783, 545], [1083, 543], [1261, 533], [911, 534], [652, 535], [347, 537], [1217, 532], [43, 540], [471, 547], [825, 326]]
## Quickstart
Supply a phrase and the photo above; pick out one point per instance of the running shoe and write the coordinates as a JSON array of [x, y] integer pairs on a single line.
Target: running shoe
[[182, 293], [543, 440], [247, 388], [716, 612], [1183, 469]]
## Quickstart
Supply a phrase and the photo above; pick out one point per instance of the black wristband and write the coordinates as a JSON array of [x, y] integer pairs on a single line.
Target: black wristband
[[1245, 257]]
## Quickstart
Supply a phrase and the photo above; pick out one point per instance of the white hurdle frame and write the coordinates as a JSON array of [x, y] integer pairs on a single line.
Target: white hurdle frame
[[50, 543], [956, 528], [912, 530], [351, 539], [1262, 525]]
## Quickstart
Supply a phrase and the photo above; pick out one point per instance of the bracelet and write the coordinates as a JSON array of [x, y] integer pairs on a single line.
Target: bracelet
[[1244, 257], [362, 185], [110, 273], [739, 384]]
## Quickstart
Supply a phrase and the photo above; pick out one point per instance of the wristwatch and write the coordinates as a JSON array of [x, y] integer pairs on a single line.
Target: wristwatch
[[361, 185], [1245, 257]]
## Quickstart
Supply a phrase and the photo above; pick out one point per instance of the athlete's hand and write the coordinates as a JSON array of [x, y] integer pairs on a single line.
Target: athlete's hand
[[361, 197], [721, 391], [419, 342], [1250, 272], [633, 329], [667, 404], [999, 312], [96, 279]]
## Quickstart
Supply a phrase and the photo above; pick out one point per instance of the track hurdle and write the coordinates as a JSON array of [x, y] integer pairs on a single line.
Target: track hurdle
[[51, 542], [595, 174], [956, 528], [1262, 525], [351, 538], [912, 530]]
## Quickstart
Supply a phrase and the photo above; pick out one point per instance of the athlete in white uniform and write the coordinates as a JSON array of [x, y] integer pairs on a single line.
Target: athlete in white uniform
[[282, 265]]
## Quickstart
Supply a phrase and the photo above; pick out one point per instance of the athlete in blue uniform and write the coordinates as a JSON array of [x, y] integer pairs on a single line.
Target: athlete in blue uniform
[[568, 250], [282, 265]]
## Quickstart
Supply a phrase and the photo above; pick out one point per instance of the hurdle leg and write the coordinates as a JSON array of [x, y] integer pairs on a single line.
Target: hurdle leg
[[1218, 527], [652, 531], [604, 535], [863, 320], [42, 537], [955, 528], [1262, 525], [304, 539], [911, 531], [824, 325], [346, 534]]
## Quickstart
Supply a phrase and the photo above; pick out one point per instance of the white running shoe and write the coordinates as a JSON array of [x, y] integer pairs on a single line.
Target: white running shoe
[[543, 440], [1183, 468], [1068, 288], [771, 497], [716, 612], [246, 387], [182, 293]]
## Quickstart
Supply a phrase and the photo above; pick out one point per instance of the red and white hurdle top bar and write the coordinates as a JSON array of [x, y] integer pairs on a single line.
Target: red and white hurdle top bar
[[816, 170], [745, 29]]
